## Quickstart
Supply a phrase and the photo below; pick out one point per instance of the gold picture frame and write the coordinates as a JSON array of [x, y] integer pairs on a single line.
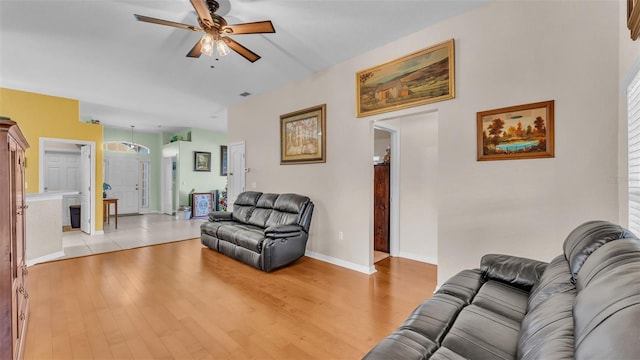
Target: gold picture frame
[[423, 77], [516, 132], [303, 136], [633, 18]]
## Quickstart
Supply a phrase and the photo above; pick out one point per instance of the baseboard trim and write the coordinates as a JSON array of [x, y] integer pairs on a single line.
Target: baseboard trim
[[424, 259], [48, 257], [341, 263]]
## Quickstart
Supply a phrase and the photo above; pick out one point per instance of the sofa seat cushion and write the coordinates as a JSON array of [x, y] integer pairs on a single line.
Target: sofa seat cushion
[[250, 239], [464, 285], [546, 332], [211, 227], [403, 344], [444, 353], [434, 317], [227, 232], [479, 333], [503, 299]]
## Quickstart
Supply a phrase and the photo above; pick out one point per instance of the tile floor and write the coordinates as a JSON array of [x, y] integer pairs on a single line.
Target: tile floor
[[133, 231]]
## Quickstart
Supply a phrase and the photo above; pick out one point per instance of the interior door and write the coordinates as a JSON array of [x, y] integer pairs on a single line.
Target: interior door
[[85, 189], [167, 184], [123, 176], [62, 171], [236, 175]]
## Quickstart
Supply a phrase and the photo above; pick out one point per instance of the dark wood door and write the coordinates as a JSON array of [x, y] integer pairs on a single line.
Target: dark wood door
[[381, 208]]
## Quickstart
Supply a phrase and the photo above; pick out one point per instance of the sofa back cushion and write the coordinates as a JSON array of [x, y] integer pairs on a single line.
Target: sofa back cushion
[[555, 279], [606, 312], [263, 210], [587, 238], [287, 210], [244, 204]]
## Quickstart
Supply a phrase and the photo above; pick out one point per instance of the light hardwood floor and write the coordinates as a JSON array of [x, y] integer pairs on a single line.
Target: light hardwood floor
[[183, 301]]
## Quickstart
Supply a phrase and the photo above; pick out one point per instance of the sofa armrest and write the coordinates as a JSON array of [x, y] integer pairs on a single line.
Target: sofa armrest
[[220, 216], [282, 231], [517, 271]]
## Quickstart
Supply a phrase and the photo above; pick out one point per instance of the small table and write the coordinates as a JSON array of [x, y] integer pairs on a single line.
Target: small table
[[106, 208]]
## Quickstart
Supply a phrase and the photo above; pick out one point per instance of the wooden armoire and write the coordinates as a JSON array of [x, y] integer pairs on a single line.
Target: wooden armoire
[[381, 215], [14, 298]]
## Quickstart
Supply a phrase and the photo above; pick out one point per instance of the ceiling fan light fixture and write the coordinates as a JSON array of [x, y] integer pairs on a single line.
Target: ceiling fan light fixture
[[207, 43], [222, 47]]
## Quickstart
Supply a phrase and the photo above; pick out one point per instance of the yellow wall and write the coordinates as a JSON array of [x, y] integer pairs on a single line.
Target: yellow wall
[[51, 117]]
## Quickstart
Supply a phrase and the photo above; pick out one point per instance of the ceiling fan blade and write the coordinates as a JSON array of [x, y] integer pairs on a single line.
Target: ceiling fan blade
[[246, 53], [203, 12], [249, 28], [166, 22], [196, 50]]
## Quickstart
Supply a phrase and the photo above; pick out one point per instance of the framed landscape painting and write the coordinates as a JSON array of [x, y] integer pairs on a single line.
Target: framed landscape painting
[[201, 161], [516, 132], [302, 136], [423, 77]]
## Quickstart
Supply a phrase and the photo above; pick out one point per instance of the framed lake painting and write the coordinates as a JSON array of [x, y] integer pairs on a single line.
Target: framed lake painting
[[423, 77], [516, 132]]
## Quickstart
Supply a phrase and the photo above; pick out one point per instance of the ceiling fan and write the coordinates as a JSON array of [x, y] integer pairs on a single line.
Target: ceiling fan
[[215, 28]]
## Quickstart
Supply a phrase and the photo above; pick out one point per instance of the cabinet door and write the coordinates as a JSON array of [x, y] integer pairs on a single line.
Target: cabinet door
[[381, 208]]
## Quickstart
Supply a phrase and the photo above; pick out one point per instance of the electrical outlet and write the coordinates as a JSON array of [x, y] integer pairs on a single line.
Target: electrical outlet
[[254, 185], [340, 235]]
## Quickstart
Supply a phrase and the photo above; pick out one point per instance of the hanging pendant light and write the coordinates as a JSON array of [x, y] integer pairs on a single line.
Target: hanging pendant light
[[132, 145]]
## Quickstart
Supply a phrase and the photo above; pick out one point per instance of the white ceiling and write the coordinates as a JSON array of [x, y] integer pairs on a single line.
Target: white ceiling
[[126, 72]]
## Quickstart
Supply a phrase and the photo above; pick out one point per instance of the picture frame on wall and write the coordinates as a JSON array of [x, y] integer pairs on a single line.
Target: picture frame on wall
[[303, 136], [202, 204], [423, 77], [201, 161], [516, 132], [223, 160]]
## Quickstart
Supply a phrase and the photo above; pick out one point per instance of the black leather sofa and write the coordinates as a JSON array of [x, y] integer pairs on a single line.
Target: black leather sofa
[[584, 304], [266, 231]]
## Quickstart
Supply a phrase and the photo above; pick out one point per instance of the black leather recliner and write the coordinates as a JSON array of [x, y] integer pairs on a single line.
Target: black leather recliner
[[266, 231], [584, 304]]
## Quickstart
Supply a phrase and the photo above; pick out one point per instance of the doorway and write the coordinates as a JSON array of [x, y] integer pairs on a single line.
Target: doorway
[[413, 225], [386, 191], [168, 185], [67, 165], [236, 175]]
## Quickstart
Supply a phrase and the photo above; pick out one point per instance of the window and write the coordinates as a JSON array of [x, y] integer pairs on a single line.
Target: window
[[633, 116], [144, 184], [124, 146]]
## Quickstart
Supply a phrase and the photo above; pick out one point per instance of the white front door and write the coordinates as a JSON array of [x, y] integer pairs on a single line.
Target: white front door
[[85, 189], [123, 175], [236, 176], [167, 183]]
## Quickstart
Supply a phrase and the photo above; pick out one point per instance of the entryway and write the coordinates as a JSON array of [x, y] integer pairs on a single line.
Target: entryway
[[381, 193], [67, 167]]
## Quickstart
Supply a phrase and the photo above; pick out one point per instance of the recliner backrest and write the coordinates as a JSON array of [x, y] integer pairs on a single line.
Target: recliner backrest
[[244, 205], [262, 210], [606, 312], [587, 238], [287, 210]]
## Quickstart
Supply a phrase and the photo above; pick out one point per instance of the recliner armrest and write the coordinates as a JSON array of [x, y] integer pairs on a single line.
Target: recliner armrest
[[220, 216], [517, 271], [283, 231]]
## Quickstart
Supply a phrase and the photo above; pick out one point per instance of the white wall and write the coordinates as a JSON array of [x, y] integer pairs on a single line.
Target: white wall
[[507, 53]]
